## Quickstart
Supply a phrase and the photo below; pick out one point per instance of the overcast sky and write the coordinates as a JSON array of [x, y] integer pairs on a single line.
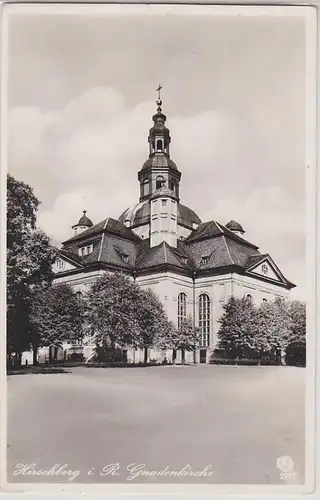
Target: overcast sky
[[81, 98]]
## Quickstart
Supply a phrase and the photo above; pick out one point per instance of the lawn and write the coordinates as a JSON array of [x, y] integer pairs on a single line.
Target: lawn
[[236, 420]]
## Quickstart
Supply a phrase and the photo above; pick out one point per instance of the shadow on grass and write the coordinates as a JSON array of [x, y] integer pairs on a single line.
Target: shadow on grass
[[67, 367], [36, 370], [134, 365]]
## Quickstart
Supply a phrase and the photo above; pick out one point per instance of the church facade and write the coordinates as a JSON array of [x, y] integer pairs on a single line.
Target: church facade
[[193, 266]]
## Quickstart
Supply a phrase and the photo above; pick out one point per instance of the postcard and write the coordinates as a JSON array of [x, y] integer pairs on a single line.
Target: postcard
[[158, 167]]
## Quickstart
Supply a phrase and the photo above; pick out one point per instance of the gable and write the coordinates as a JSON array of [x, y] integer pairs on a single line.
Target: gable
[[62, 265], [266, 269]]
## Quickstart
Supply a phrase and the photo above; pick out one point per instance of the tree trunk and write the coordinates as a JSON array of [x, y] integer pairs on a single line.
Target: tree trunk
[[174, 356], [145, 355], [183, 356], [113, 352], [35, 355], [194, 356], [9, 362], [50, 355], [18, 359], [278, 356]]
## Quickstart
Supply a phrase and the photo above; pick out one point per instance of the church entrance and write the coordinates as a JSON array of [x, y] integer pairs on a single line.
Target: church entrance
[[203, 355]]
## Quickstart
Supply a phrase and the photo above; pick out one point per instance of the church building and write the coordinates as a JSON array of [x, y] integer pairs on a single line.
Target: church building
[[193, 266]]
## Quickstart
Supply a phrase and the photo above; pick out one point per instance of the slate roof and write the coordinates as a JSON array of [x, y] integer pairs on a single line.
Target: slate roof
[[159, 160], [140, 214], [109, 224], [84, 220], [71, 256], [212, 229], [211, 248], [162, 254]]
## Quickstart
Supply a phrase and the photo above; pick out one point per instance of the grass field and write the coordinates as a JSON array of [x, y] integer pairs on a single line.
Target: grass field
[[236, 420]]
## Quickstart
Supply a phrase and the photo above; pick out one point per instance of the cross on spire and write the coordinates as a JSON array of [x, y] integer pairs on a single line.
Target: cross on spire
[[158, 90]]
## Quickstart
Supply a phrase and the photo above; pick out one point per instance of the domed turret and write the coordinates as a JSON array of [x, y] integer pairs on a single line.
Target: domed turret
[[159, 167], [83, 224], [159, 200], [235, 227]]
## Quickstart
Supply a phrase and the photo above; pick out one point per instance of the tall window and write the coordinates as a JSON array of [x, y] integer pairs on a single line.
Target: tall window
[[60, 264], [85, 250], [204, 320], [146, 187], [173, 186], [79, 296], [159, 181], [249, 298], [182, 308], [159, 145]]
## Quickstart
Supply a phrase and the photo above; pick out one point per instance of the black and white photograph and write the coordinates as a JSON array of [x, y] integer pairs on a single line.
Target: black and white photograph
[[158, 185]]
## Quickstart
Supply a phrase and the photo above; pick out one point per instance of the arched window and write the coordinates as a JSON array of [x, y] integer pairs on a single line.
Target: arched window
[[204, 320], [146, 187], [264, 300], [249, 298], [159, 181], [159, 145], [173, 186], [182, 308]]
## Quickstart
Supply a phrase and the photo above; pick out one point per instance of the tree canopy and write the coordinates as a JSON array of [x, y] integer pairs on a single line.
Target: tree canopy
[[273, 327], [266, 331], [55, 316], [296, 350], [29, 260], [111, 311], [152, 319], [121, 314], [238, 328]]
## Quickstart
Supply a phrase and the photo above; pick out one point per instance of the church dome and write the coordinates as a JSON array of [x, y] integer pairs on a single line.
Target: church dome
[[235, 226], [159, 127], [84, 221], [159, 160], [139, 214]]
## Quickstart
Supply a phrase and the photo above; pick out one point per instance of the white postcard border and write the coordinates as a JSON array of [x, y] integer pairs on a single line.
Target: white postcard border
[[313, 254]]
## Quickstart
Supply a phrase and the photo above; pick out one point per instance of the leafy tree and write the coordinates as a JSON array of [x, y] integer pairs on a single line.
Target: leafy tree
[[165, 340], [55, 317], [296, 349], [273, 328], [184, 338], [152, 321], [238, 328], [29, 260], [18, 326], [111, 312]]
